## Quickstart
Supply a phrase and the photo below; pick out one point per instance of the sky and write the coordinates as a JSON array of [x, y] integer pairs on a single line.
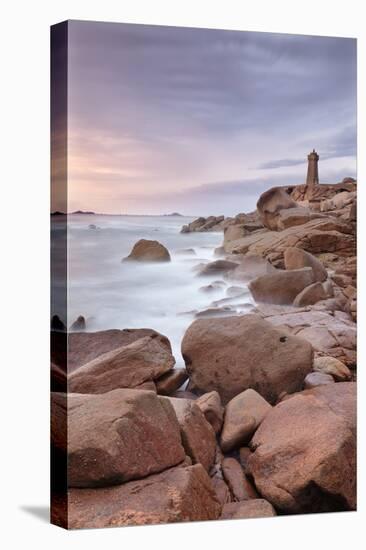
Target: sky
[[199, 121]]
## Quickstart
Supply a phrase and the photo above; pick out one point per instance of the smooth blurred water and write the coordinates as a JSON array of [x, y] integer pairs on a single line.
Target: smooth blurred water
[[113, 294]]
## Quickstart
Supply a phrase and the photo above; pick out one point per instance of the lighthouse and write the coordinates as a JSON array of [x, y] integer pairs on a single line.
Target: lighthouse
[[312, 177]]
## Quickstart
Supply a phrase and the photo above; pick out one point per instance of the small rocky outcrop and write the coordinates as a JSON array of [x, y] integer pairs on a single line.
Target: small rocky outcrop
[[220, 354], [212, 223], [148, 251]]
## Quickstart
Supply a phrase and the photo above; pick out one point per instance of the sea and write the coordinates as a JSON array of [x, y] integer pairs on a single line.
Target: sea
[[110, 293]]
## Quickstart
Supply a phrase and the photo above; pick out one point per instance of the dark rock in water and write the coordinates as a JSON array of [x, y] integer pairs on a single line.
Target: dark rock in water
[[219, 251], [217, 267], [92, 226], [213, 287], [215, 312], [148, 251], [235, 291], [57, 324], [228, 301], [79, 324]]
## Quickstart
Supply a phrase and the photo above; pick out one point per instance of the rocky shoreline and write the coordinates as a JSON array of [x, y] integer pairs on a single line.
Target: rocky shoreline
[[262, 419]]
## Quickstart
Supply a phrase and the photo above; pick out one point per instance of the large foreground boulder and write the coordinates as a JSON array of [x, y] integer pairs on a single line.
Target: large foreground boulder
[[232, 354], [305, 451], [281, 287], [178, 494], [118, 436], [148, 251], [125, 367], [198, 436]]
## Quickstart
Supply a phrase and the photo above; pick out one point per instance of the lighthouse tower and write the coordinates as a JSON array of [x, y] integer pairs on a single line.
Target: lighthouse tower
[[312, 178]]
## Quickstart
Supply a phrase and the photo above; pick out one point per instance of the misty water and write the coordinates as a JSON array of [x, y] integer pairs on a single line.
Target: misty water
[[114, 294]]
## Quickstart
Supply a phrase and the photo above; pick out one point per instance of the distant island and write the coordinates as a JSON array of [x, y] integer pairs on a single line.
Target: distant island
[[59, 213], [83, 212], [90, 213]]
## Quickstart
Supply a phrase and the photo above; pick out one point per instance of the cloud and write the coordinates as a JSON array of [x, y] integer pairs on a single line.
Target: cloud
[[155, 110], [281, 163]]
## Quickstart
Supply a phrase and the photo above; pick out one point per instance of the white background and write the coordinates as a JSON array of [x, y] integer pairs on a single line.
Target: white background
[[24, 219]]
